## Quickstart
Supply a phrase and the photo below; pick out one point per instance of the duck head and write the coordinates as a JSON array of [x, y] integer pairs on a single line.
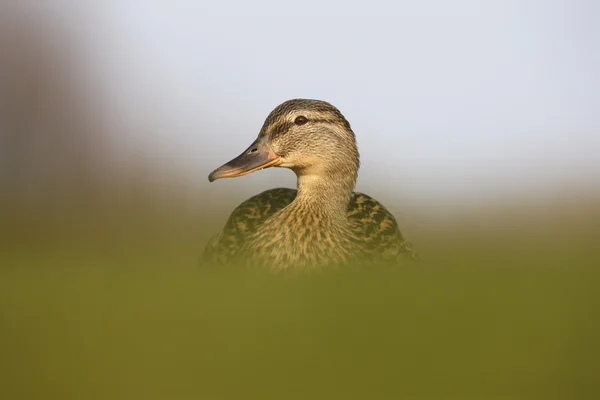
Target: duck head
[[310, 137]]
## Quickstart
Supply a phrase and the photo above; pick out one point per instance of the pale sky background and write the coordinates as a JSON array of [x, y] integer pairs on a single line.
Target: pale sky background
[[447, 99]]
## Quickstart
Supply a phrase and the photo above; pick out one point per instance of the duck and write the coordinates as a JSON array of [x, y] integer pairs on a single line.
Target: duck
[[323, 222]]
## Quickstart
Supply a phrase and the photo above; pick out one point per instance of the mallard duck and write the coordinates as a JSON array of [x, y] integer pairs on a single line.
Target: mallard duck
[[323, 222]]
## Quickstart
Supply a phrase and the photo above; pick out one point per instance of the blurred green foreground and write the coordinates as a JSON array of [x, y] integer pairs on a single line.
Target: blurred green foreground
[[113, 305]]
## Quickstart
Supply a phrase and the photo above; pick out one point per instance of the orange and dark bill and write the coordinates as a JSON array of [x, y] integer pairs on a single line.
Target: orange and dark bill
[[258, 156]]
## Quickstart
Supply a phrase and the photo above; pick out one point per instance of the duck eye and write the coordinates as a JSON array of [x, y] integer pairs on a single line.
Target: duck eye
[[300, 120]]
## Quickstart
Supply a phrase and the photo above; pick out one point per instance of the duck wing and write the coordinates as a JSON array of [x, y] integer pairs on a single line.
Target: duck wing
[[244, 220], [376, 230]]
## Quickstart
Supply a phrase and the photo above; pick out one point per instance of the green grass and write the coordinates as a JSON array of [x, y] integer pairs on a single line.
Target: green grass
[[430, 332], [118, 308]]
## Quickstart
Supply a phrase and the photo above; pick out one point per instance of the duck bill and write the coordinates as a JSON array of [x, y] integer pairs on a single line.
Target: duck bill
[[258, 156]]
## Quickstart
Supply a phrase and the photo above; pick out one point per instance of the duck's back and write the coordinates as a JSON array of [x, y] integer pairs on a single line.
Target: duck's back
[[375, 229], [243, 221]]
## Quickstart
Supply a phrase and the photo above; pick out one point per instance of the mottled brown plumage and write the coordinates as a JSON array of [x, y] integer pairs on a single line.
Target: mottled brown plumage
[[323, 223]]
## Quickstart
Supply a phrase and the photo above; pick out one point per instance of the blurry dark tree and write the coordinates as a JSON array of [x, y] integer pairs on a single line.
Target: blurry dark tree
[[51, 140]]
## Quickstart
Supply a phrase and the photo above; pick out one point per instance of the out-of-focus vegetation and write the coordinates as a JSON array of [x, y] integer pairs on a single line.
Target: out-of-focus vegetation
[[101, 294], [101, 305]]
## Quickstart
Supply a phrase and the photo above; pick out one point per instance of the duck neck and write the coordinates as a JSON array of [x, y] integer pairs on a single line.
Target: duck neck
[[325, 196]]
